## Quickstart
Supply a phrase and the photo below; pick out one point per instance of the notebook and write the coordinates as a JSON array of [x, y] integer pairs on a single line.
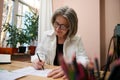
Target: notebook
[[5, 58]]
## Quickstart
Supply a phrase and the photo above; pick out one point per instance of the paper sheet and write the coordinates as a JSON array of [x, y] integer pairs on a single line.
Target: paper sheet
[[31, 71], [6, 75]]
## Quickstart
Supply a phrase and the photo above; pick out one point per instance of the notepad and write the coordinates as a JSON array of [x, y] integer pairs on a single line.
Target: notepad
[[5, 58]]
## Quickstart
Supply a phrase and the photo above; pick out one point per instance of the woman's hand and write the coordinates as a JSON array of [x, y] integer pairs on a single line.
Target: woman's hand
[[38, 64], [57, 73]]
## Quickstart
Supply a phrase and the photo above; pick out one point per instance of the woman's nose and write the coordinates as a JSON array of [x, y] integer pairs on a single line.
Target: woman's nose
[[58, 27]]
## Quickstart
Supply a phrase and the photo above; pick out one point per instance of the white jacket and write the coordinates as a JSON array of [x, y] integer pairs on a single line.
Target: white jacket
[[47, 49]]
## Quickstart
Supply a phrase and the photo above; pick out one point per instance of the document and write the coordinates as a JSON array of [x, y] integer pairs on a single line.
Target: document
[[6, 75], [31, 71], [13, 75]]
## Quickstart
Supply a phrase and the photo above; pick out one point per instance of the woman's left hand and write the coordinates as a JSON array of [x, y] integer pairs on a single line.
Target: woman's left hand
[[57, 73]]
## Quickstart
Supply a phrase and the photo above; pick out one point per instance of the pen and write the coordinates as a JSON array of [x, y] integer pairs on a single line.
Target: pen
[[40, 61]]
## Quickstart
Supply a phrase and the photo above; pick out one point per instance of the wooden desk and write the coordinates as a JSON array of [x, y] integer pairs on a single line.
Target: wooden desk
[[17, 65]]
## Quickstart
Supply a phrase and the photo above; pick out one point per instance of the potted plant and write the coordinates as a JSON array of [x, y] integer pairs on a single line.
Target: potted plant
[[22, 39], [16, 35], [31, 23], [12, 38]]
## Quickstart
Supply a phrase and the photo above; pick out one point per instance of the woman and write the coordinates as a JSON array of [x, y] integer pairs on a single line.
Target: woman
[[61, 40]]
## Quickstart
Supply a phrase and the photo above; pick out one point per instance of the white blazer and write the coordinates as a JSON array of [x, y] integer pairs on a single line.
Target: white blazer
[[47, 49]]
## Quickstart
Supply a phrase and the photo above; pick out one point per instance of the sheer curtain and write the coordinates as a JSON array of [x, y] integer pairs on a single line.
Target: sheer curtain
[[44, 17]]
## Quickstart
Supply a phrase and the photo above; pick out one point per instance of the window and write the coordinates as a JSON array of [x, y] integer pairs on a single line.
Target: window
[[14, 13]]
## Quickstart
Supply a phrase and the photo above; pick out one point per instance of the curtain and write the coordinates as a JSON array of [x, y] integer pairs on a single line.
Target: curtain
[[45, 14], [7, 14]]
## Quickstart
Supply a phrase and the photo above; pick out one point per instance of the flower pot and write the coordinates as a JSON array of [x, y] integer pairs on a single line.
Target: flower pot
[[32, 49], [14, 50], [8, 50], [21, 49]]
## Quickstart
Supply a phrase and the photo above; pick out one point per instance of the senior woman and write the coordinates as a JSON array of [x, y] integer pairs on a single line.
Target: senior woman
[[62, 40]]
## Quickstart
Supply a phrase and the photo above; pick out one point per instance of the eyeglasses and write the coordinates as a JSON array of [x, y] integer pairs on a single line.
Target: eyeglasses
[[61, 26]]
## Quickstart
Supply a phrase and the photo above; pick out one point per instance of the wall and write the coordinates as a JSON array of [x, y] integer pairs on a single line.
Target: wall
[[89, 22], [110, 17]]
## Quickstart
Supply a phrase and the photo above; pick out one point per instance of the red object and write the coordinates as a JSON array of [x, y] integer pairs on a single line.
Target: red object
[[8, 50], [32, 49]]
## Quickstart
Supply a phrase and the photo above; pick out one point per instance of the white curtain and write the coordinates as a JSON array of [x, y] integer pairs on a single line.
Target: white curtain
[[44, 17]]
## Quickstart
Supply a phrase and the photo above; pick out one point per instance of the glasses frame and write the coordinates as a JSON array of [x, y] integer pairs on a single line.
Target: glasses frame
[[60, 26]]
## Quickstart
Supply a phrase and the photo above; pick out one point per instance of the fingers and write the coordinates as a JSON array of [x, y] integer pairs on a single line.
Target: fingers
[[65, 77], [53, 72], [37, 64], [56, 73]]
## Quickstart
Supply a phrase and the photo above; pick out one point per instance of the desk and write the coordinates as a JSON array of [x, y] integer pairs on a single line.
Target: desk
[[17, 65]]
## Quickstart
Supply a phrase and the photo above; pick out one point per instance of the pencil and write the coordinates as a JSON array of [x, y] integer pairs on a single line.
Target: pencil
[[40, 61]]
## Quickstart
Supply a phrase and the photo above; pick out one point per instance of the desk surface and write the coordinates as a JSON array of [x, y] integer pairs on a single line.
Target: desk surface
[[17, 65]]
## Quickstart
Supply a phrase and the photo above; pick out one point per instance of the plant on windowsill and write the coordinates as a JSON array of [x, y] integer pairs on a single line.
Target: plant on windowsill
[[31, 23], [22, 39], [12, 37], [16, 35]]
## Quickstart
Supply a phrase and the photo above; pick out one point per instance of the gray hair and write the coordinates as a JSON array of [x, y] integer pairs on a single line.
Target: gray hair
[[71, 17]]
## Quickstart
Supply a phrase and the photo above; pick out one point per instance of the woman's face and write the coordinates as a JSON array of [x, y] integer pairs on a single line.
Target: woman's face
[[61, 26]]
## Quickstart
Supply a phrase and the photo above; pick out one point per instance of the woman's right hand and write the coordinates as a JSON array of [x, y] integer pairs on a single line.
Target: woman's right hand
[[37, 64]]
